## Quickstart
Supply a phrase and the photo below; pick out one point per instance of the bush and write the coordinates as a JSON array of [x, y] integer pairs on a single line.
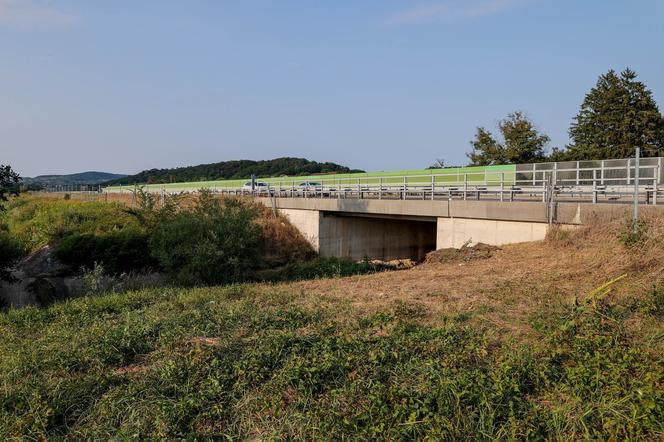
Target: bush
[[117, 252], [212, 243], [10, 252], [632, 234], [96, 282]]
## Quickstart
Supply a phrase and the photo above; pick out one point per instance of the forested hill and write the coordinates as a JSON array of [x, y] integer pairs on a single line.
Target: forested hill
[[74, 179], [238, 169]]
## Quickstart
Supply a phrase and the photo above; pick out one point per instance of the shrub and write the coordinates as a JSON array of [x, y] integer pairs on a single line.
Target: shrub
[[10, 252], [117, 252], [632, 235], [96, 281], [212, 243]]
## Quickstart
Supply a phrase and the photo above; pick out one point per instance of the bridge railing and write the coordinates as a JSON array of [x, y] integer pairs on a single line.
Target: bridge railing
[[594, 185], [596, 181]]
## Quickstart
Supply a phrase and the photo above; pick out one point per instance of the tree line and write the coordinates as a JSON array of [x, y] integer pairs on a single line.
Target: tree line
[[616, 116], [229, 170]]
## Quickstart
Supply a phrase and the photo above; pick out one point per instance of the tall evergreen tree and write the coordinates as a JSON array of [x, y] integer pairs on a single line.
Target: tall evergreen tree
[[523, 143], [617, 115]]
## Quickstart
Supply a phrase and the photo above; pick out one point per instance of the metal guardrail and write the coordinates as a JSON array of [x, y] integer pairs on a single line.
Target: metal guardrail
[[593, 181], [548, 186]]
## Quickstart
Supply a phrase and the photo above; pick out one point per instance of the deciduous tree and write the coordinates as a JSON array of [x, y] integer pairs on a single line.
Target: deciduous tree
[[9, 181], [522, 143], [10, 250]]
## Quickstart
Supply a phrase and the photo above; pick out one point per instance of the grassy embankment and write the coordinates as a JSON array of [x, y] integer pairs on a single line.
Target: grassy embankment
[[116, 234], [524, 344]]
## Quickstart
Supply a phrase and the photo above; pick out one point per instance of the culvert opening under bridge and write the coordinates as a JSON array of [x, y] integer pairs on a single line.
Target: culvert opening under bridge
[[356, 237]]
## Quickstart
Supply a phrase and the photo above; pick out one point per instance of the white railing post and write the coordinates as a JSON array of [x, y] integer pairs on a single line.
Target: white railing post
[[502, 185], [594, 186], [433, 187], [629, 172], [577, 173], [636, 189], [465, 186], [655, 185]]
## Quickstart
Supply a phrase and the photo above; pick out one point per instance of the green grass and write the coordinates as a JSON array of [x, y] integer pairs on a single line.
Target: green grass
[[35, 222], [263, 362], [492, 174], [320, 267]]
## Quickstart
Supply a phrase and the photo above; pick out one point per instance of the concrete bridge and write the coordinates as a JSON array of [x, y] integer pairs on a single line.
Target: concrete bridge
[[400, 229], [410, 213]]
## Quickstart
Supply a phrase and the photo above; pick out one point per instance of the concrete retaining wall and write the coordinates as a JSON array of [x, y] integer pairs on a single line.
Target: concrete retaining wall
[[307, 222], [455, 232]]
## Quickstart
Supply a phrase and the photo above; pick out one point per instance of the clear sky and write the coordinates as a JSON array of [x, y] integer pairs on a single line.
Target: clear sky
[[126, 85]]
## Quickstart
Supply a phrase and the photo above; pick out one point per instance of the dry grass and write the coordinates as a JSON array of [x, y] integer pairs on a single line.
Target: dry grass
[[281, 242], [516, 282]]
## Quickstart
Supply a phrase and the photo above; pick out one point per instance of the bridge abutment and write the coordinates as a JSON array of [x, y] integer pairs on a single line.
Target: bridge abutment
[[455, 232], [399, 229], [357, 237]]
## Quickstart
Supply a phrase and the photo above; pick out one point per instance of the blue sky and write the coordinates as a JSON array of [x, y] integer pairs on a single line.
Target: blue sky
[[125, 85]]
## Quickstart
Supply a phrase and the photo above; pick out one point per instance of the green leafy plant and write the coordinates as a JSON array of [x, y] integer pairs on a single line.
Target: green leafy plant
[[95, 281], [10, 252], [121, 251], [633, 233], [323, 267], [212, 243]]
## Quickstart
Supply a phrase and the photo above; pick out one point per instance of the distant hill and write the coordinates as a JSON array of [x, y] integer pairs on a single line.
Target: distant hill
[[238, 169], [74, 179]]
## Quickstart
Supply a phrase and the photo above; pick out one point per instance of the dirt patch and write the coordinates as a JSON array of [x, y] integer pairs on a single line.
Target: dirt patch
[[204, 341], [465, 253], [138, 366]]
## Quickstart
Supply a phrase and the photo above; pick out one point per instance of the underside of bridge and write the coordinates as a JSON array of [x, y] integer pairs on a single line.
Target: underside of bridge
[[400, 229], [345, 235], [357, 237], [396, 236]]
